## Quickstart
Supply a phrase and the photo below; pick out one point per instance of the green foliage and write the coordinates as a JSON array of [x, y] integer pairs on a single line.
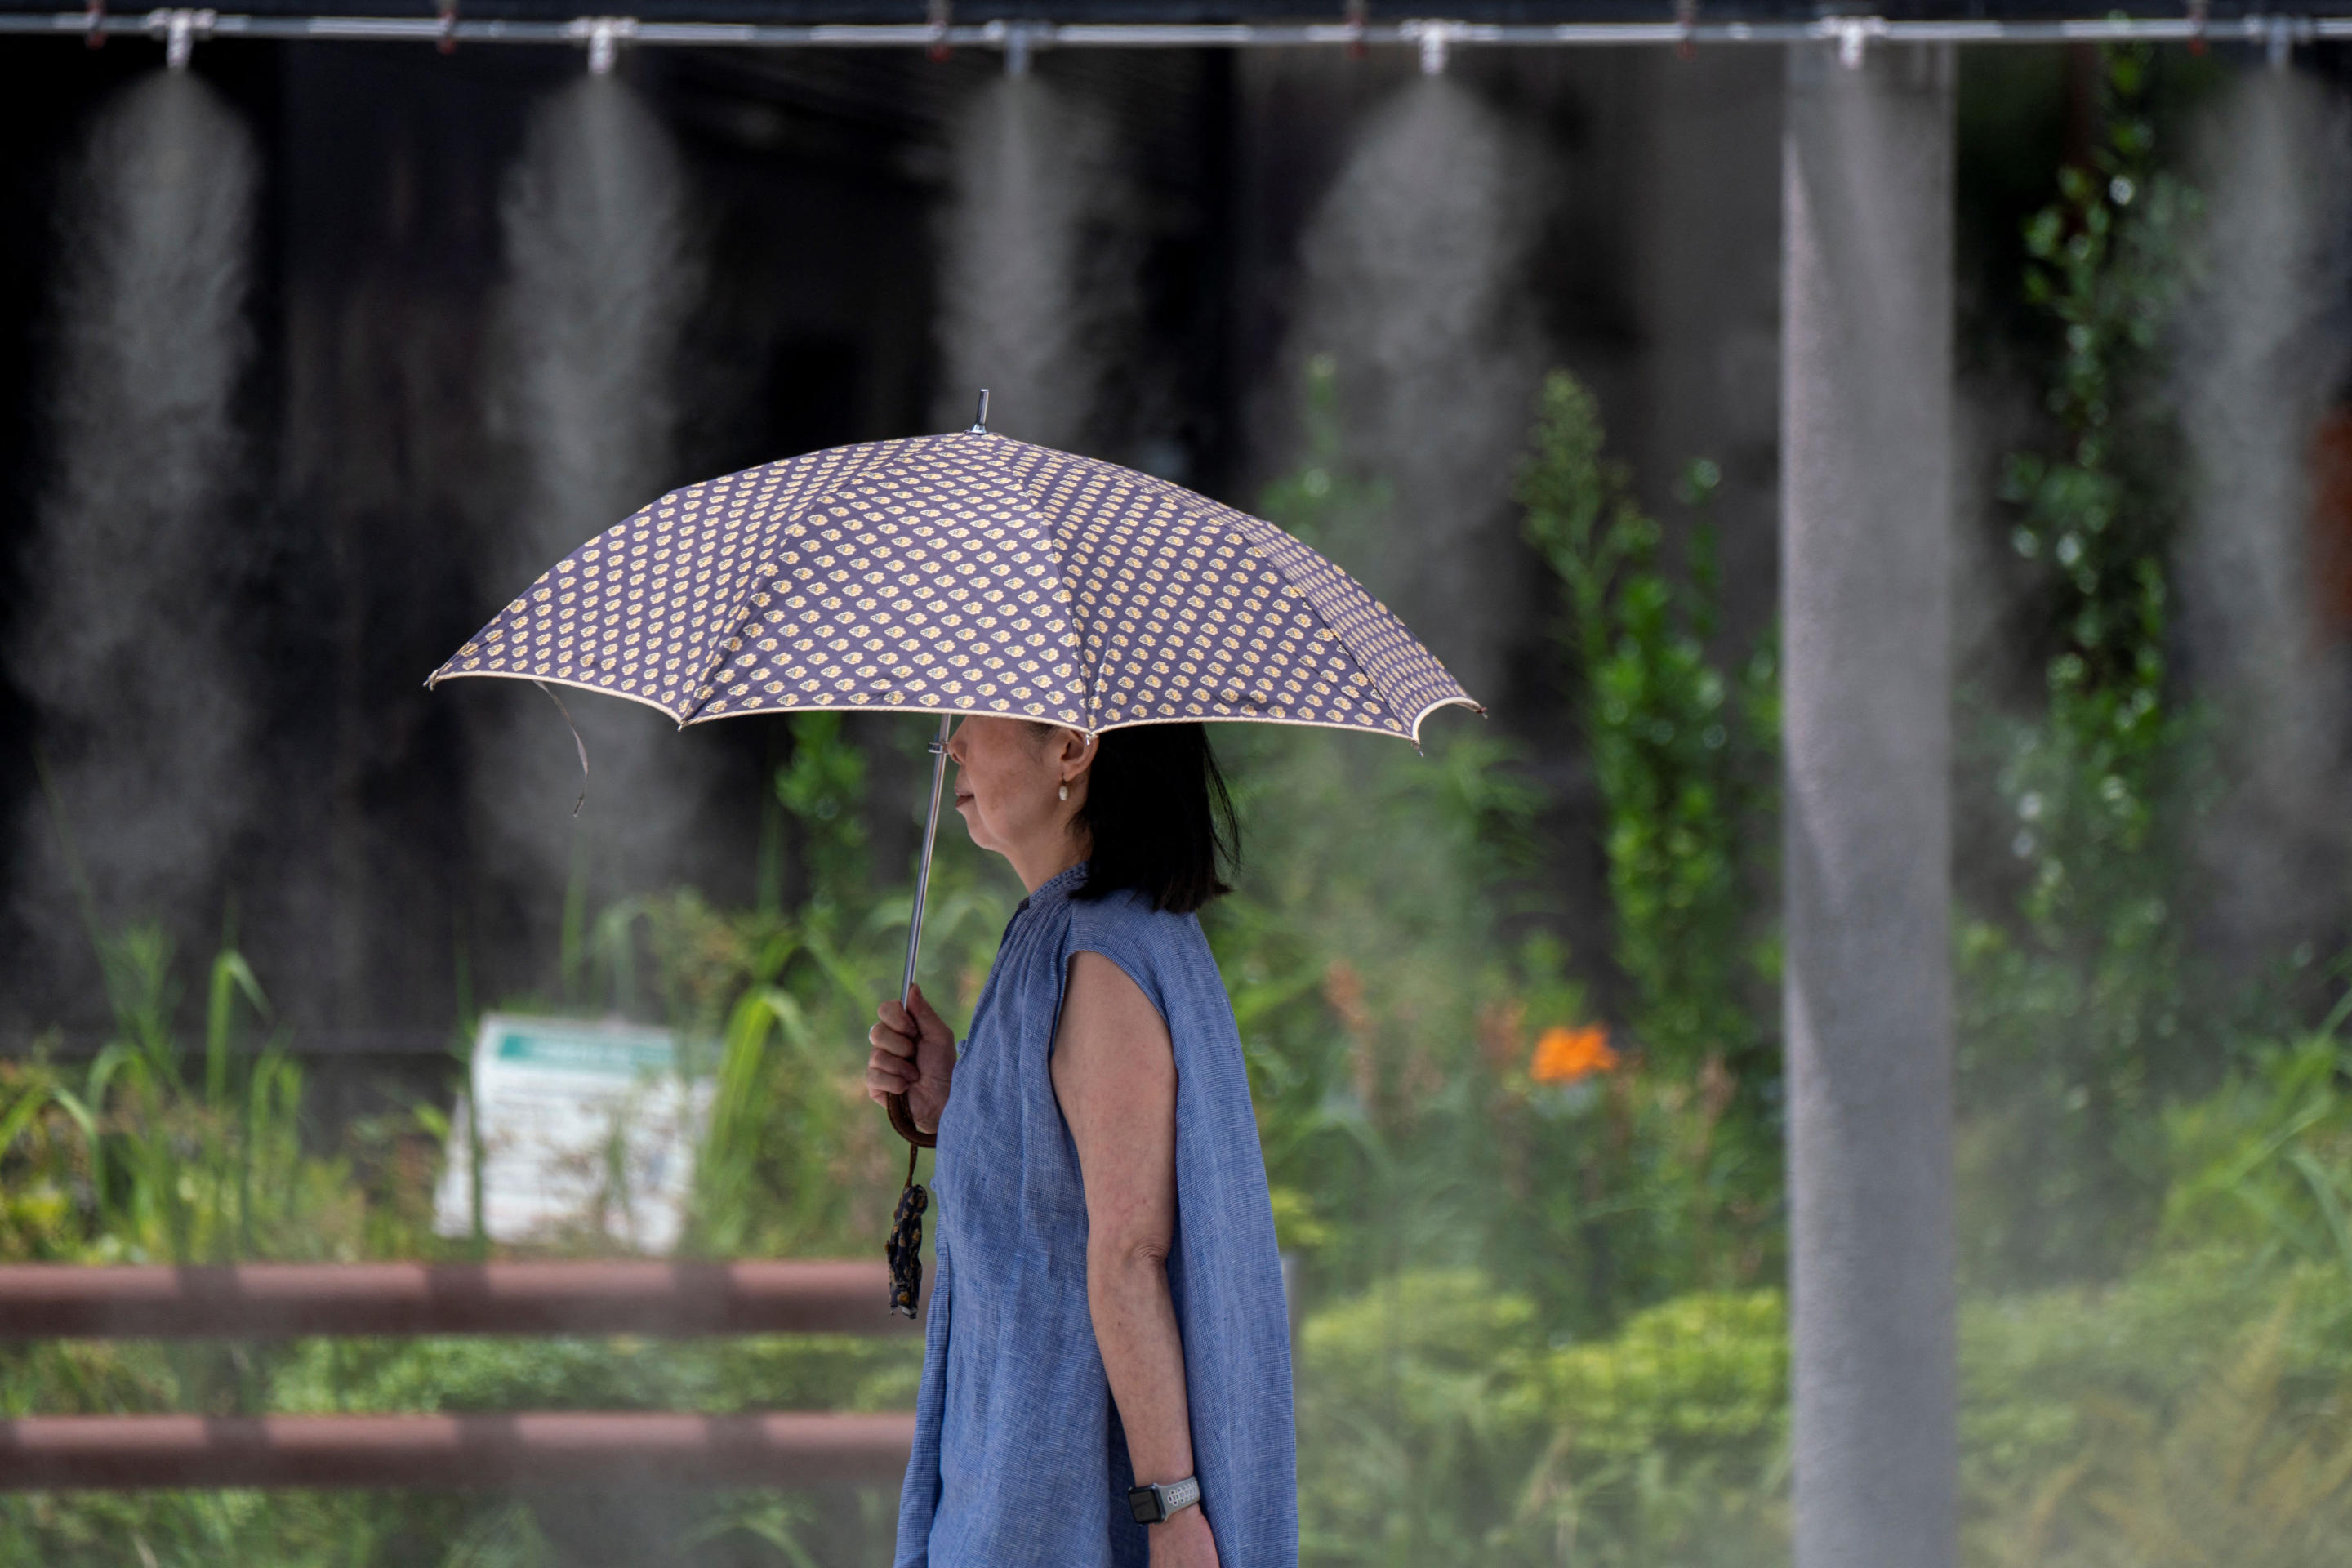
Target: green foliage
[[1421, 1411], [718, 1377], [2193, 1413], [2268, 1156], [1681, 748], [824, 788], [2073, 1003], [1390, 1006], [2218, 1478], [1436, 1407], [1683, 751], [268, 1530], [1368, 965], [1630, 1188], [1692, 1377], [156, 1151], [2196, 1402]]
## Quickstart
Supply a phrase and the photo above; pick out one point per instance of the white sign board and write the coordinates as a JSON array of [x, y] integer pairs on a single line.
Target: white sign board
[[581, 1124]]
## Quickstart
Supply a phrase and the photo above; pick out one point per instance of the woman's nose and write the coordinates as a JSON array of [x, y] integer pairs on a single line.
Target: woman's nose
[[955, 745]]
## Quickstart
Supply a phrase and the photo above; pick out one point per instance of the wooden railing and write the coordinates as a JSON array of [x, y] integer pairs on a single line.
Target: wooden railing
[[256, 1301]]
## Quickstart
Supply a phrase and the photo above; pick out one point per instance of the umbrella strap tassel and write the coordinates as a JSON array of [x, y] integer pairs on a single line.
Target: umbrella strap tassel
[[904, 1250]]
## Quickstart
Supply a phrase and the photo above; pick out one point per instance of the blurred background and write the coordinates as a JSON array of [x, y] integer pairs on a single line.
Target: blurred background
[[313, 355]]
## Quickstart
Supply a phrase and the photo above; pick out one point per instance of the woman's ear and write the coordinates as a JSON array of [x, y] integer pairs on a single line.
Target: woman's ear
[[1078, 752]]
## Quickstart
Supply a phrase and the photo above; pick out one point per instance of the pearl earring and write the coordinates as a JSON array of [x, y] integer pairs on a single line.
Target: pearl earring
[[1065, 792]]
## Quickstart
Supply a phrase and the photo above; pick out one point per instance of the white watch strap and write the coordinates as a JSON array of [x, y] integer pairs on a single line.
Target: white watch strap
[[1176, 1496]]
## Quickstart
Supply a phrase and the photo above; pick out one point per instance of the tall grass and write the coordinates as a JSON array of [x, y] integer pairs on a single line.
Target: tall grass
[[170, 1154]]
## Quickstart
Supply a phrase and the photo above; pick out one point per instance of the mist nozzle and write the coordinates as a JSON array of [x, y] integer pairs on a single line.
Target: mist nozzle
[[1020, 45], [1436, 40], [602, 36], [1853, 34], [2281, 38], [181, 28]]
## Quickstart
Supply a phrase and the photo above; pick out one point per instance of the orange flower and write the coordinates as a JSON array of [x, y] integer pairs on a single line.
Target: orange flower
[[1564, 1055]]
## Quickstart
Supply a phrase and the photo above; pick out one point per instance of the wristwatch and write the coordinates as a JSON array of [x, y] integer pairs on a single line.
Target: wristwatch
[[1162, 1501]]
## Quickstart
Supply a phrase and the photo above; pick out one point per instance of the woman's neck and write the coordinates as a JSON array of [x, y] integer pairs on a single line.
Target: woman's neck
[[1038, 864]]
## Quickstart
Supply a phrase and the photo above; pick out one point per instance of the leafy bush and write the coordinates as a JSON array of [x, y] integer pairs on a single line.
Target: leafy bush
[[1683, 750], [1393, 1019], [2269, 1154], [2197, 1401], [2072, 1000], [1438, 1424], [2192, 1413]]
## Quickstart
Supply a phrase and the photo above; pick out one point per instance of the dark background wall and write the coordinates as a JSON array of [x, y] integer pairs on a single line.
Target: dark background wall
[[379, 464]]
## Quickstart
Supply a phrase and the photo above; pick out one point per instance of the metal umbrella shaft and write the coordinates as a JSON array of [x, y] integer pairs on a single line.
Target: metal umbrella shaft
[[901, 1120]]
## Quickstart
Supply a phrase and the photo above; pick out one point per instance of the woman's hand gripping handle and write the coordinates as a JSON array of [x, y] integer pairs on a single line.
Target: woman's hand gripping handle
[[908, 1071]]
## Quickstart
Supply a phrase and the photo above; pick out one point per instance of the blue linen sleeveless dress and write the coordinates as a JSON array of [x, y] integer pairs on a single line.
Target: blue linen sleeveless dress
[[1019, 1461]]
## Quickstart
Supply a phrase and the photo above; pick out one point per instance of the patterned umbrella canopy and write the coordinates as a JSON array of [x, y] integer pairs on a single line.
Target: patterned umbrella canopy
[[963, 574], [955, 575]]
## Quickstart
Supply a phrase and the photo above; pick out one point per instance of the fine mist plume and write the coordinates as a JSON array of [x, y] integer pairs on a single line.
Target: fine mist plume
[[2264, 349], [1412, 278], [123, 647], [1028, 288], [601, 273]]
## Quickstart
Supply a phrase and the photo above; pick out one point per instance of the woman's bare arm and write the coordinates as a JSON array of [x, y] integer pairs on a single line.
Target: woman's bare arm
[[1115, 1075]]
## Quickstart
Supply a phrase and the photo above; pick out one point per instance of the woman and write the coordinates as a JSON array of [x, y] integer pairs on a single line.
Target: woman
[[1108, 1325]]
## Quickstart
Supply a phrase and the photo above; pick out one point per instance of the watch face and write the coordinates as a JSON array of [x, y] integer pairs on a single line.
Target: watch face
[[1144, 1503]]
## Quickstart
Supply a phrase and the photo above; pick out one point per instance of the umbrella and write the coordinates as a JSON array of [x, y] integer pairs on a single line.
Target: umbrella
[[954, 575]]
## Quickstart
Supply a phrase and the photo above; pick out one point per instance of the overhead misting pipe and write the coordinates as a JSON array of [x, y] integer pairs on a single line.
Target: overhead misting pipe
[[1850, 33]]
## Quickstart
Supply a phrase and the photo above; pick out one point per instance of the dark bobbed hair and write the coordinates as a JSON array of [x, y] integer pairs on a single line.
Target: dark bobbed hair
[[1159, 817]]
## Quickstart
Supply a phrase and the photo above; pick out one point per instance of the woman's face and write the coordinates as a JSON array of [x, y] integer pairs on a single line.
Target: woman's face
[[1009, 775]]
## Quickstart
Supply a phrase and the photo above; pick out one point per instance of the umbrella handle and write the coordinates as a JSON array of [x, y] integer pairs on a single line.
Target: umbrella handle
[[902, 1121]]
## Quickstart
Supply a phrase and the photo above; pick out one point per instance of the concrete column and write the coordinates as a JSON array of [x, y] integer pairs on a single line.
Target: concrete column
[[1866, 500]]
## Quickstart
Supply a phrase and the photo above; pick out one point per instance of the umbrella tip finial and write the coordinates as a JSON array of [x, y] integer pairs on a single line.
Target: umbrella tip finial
[[980, 420]]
